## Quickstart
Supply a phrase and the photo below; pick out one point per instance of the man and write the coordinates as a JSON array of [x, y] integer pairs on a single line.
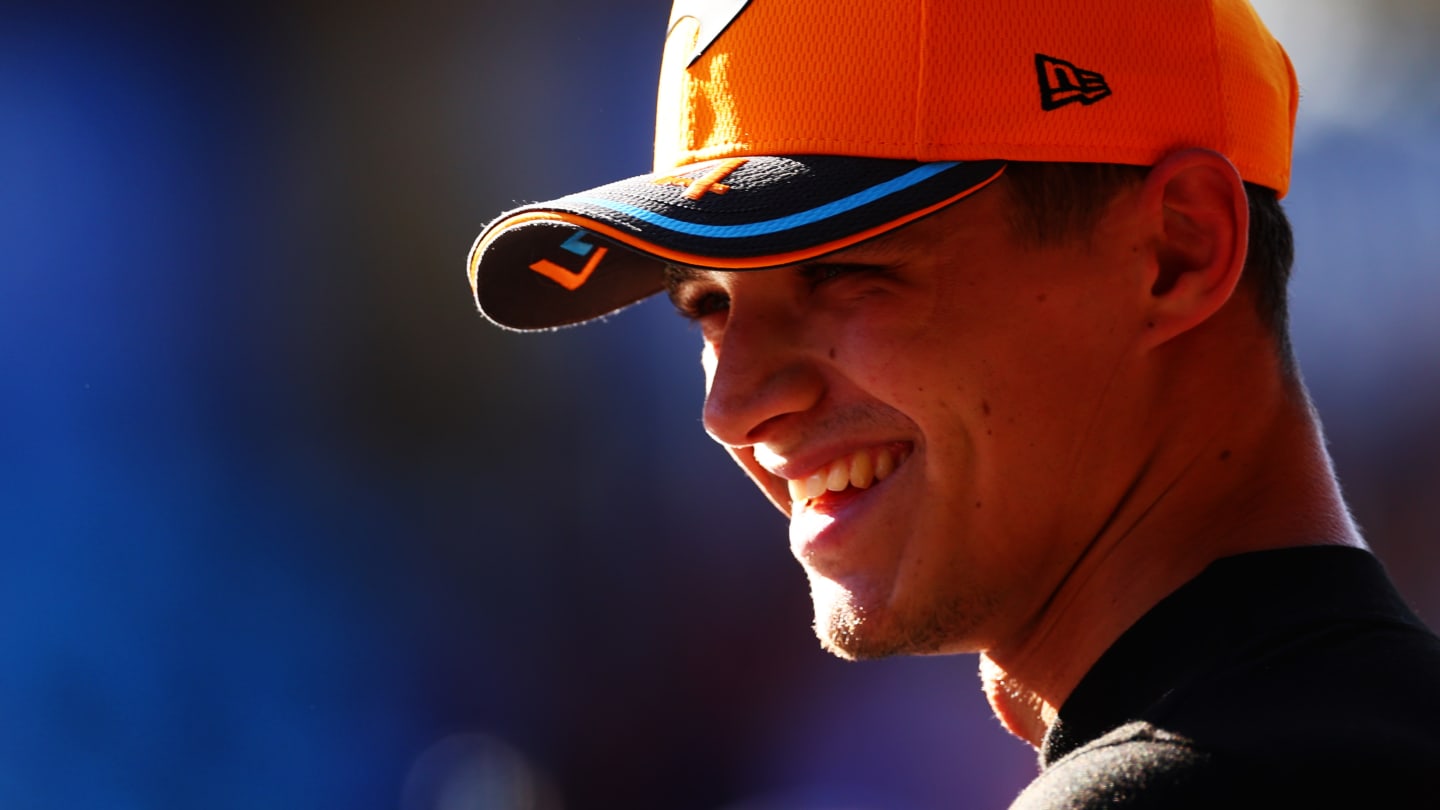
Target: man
[[992, 296]]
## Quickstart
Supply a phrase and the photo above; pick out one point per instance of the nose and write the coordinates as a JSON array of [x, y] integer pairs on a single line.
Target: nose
[[757, 372]]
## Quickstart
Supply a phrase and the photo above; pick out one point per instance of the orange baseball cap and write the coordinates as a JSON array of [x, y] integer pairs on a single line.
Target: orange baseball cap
[[786, 130]]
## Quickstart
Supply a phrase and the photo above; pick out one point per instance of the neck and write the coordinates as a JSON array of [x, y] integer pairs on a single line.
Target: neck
[[1258, 478]]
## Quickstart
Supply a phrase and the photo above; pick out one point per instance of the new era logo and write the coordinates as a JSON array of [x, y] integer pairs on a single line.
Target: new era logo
[[1062, 83]]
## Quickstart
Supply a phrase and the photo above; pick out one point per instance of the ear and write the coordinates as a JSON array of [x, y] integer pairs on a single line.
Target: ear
[[1201, 217]]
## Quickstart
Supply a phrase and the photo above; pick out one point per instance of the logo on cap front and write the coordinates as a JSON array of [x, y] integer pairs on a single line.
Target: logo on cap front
[[706, 183], [1063, 83]]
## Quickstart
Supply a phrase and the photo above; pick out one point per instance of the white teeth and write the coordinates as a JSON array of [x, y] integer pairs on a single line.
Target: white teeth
[[884, 465], [860, 470], [812, 486]]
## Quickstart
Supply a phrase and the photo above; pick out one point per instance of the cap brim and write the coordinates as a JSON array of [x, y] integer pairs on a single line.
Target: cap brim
[[585, 255]]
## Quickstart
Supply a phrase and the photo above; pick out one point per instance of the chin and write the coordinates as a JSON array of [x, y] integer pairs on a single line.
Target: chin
[[857, 629], [850, 629]]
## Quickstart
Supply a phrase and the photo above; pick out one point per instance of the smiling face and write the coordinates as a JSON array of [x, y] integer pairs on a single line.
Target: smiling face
[[945, 414]]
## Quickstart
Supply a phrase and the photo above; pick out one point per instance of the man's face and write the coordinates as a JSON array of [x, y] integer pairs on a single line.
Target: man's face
[[960, 403]]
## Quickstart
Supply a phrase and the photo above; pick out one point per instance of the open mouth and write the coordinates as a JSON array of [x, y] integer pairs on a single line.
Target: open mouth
[[850, 473]]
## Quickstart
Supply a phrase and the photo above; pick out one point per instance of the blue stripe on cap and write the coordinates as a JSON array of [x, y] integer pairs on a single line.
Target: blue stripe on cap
[[840, 206]]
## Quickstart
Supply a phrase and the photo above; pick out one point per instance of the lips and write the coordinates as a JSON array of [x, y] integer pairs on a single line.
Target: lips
[[859, 470]]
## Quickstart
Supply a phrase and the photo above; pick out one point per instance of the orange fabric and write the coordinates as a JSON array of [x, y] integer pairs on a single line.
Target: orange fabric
[[956, 80]]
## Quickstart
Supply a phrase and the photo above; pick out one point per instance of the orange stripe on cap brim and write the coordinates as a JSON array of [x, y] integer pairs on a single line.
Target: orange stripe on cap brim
[[709, 262]]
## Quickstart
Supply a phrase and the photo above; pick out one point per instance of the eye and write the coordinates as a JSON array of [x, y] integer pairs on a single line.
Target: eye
[[695, 301], [705, 304]]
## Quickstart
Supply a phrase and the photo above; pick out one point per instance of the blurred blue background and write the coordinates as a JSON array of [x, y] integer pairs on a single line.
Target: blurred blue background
[[286, 524]]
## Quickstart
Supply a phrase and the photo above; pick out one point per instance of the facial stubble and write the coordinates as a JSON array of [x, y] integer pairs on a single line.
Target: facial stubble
[[848, 629]]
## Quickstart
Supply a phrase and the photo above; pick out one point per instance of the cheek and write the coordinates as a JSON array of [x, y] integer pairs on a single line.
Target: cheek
[[895, 353], [922, 358], [926, 374]]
